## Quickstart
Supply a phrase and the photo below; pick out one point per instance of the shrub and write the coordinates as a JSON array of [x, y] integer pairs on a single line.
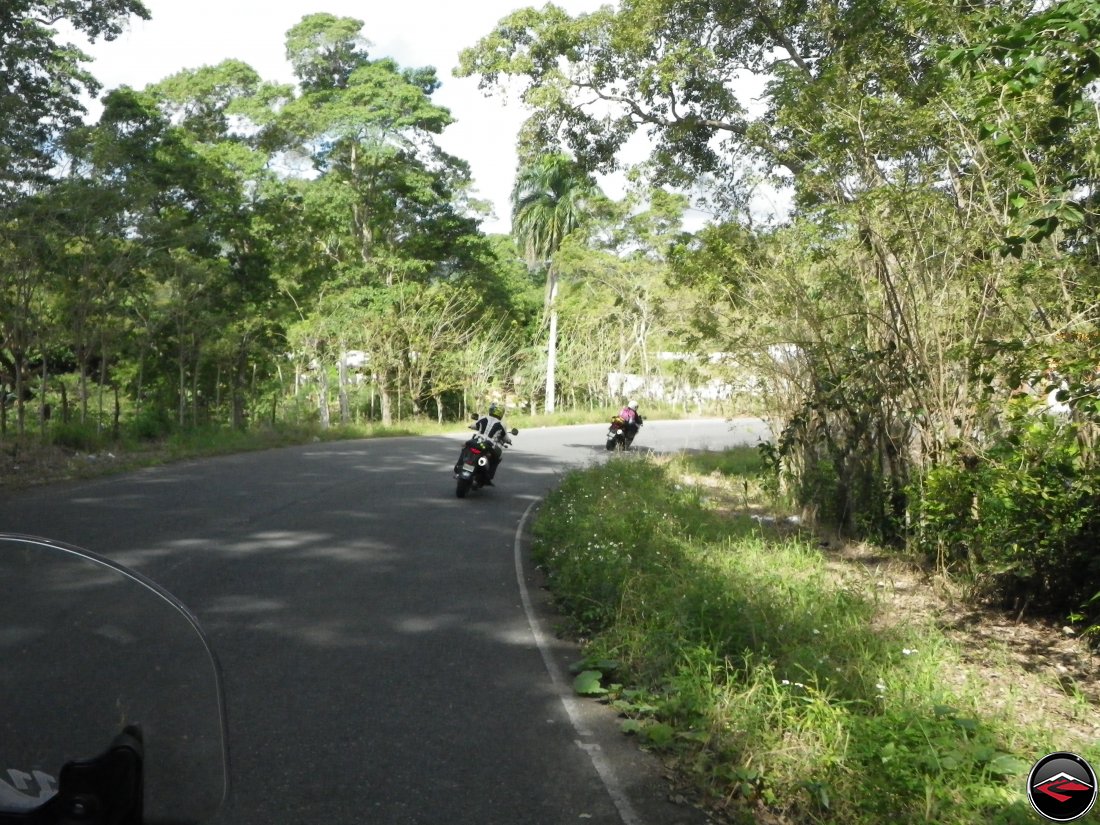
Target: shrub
[[75, 436], [150, 424], [1024, 518]]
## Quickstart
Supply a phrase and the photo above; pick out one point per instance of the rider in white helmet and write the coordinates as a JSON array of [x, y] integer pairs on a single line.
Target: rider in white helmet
[[491, 426], [632, 418]]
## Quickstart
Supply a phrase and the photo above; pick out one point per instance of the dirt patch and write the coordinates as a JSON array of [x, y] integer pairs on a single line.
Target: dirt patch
[[29, 464]]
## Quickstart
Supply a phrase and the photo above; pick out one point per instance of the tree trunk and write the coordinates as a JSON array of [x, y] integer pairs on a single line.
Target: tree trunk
[[116, 425], [322, 397], [83, 386], [99, 392], [551, 360], [387, 404], [195, 389], [345, 407], [20, 405], [181, 410], [43, 404], [237, 392], [399, 398], [139, 398]]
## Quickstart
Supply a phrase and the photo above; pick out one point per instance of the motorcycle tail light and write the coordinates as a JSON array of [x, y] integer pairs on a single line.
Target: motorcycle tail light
[[475, 451]]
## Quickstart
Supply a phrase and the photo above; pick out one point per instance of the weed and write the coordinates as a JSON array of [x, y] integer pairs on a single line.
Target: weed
[[80, 437]]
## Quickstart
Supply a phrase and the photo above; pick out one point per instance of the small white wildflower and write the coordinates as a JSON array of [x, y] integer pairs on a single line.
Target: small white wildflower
[[880, 687], [786, 682], [908, 651], [817, 632]]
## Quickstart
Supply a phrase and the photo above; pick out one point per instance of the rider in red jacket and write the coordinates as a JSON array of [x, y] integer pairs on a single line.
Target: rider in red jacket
[[633, 420]]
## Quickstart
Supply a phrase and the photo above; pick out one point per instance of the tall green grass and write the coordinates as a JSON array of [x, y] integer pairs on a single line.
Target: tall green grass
[[766, 682]]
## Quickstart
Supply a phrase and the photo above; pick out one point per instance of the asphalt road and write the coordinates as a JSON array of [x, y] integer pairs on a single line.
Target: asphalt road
[[385, 649]]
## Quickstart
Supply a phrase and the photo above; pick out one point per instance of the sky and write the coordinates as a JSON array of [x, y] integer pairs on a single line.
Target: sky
[[188, 34]]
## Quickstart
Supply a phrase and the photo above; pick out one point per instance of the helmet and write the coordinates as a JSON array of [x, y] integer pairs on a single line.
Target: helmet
[[496, 410], [633, 405]]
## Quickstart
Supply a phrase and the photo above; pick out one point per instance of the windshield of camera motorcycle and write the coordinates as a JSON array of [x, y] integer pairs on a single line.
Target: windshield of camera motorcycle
[[88, 648]]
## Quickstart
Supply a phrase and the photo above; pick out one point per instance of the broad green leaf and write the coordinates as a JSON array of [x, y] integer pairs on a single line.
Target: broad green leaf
[[588, 683], [1004, 764]]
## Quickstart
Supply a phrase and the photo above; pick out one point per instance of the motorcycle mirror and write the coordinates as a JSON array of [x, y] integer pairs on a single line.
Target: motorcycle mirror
[[475, 416], [515, 431], [92, 650]]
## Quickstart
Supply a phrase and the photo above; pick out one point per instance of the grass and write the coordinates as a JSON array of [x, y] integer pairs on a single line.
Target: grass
[[765, 682]]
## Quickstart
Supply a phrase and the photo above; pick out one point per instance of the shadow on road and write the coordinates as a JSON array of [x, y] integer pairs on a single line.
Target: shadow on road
[[376, 662]]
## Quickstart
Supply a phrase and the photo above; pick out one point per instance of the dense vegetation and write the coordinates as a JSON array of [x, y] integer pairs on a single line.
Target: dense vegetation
[[220, 250], [921, 320], [777, 686]]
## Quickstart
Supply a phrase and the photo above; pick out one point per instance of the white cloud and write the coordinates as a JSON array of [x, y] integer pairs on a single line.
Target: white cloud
[[186, 35]]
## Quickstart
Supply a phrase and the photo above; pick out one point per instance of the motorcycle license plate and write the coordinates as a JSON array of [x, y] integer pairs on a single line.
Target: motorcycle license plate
[[469, 468]]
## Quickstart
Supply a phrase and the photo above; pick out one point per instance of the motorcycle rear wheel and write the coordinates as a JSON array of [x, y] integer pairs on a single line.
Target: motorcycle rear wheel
[[463, 487]]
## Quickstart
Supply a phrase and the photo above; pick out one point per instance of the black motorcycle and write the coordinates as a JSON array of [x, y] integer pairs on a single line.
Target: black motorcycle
[[621, 435], [474, 468]]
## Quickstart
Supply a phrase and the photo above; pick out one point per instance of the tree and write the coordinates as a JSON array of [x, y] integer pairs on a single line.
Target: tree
[[1045, 64], [386, 212], [221, 112], [25, 255], [549, 201], [901, 330], [615, 295], [41, 80]]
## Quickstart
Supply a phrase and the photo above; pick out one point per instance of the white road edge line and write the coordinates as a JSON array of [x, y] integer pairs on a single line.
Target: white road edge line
[[603, 768]]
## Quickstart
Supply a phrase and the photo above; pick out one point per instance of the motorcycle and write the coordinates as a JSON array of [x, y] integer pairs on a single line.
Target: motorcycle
[[621, 435], [118, 714], [474, 467]]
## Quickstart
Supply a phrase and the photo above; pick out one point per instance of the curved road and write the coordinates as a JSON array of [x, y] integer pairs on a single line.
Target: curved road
[[376, 642]]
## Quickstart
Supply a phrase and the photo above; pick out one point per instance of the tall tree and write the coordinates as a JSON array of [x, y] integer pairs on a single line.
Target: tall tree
[[25, 255], [221, 111], [41, 79], [549, 201], [386, 211]]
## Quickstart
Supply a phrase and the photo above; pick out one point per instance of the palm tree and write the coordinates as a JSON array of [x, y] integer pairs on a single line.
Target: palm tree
[[549, 201]]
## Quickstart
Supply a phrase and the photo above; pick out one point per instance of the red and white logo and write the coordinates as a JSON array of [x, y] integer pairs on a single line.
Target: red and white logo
[[1062, 787]]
